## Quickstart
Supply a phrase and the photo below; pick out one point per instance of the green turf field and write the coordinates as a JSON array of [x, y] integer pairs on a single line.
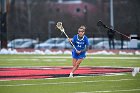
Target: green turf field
[[92, 84]]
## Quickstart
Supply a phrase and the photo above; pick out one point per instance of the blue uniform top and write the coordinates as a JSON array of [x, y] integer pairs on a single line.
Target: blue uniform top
[[80, 45]]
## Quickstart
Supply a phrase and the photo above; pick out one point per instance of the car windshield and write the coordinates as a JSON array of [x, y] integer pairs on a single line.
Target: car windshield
[[55, 40], [51, 41], [59, 41], [18, 42]]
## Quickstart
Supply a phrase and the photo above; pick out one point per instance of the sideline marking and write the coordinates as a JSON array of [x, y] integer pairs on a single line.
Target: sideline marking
[[114, 91], [97, 81], [107, 91], [67, 57]]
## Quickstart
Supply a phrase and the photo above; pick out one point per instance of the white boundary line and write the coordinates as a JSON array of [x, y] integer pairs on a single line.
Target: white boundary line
[[67, 57], [45, 67], [126, 90], [59, 83], [53, 67], [92, 57], [112, 91]]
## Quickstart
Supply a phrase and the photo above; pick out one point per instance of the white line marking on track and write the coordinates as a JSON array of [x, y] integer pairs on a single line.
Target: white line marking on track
[[126, 90], [92, 57], [112, 91], [59, 83], [67, 57]]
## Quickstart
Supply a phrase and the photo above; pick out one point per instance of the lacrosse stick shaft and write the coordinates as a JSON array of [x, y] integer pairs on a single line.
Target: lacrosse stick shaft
[[119, 32], [122, 34], [100, 23], [70, 41]]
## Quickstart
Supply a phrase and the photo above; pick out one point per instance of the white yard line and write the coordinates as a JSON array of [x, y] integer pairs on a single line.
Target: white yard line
[[112, 91], [107, 91], [45, 67], [68, 57], [92, 57], [114, 57], [60, 83], [48, 67]]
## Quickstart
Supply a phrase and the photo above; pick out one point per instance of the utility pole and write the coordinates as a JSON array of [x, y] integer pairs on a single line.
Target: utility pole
[[111, 14], [85, 11]]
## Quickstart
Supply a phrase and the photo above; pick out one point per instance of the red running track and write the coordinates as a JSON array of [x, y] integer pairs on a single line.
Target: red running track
[[55, 72]]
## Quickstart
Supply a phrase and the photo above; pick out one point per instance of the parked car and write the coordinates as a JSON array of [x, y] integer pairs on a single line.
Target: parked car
[[63, 45], [105, 45], [66, 44], [28, 44], [50, 43], [94, 41], [22, 43]]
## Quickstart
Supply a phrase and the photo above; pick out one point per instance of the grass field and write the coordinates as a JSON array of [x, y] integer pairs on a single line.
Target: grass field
[[124, 83]]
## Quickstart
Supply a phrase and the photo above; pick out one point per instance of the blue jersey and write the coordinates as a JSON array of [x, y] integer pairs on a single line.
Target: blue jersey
[[80, 45]]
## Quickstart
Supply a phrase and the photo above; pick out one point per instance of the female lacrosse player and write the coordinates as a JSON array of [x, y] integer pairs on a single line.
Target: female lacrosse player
[[80, 41]]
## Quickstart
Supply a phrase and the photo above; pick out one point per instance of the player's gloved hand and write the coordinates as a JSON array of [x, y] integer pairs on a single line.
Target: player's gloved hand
[[78, 52], [69, 40]]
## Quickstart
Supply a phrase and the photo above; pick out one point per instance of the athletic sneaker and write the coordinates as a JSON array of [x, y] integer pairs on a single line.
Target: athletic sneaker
[[71, 75], [135, 71]]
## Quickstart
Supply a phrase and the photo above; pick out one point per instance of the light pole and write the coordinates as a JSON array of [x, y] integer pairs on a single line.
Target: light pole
[[49, 28], [111, 14], [85, 11]]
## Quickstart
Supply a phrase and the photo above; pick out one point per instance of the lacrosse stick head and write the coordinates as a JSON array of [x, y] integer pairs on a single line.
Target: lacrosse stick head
[[60, 26], [100, 23]]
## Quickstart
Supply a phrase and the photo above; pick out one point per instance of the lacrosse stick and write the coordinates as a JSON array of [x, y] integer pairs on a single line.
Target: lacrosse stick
[[60, 27], [100, 23]]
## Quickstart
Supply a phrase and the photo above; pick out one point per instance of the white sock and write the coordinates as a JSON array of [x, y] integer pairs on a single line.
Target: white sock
[[137, 69], [71, 73]]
